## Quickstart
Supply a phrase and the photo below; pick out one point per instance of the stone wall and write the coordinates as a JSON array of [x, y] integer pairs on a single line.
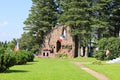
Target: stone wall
[[52, 43]]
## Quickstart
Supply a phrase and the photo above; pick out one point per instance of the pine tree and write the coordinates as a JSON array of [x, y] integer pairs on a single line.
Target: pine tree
[[76, 15], [42, 17], [114, 20], [100, 18]]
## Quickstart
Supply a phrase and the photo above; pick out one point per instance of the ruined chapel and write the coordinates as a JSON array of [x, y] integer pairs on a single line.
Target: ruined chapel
[[58, 42]]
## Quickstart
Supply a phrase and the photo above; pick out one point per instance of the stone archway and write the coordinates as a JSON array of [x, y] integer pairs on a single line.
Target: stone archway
[[58, 46]]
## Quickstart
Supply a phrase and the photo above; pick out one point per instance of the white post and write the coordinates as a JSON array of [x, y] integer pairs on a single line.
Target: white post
[[81, 51], [86, 51]]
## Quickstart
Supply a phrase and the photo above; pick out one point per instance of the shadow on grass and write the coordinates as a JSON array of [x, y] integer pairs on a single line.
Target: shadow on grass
[[15, 71]]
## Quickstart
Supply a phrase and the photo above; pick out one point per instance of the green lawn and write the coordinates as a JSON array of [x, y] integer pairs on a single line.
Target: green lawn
[[110, 70], [59, 69], [46, 69], [84, 59]]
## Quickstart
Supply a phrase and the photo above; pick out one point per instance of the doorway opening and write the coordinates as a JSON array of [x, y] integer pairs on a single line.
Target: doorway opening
[[58, 46]]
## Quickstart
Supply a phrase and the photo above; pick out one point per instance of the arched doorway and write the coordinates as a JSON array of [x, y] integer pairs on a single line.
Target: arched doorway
[[43, 54], [58, 46], [47, 54]]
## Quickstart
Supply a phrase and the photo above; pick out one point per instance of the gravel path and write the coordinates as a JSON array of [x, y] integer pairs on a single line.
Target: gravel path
[[92, 72]]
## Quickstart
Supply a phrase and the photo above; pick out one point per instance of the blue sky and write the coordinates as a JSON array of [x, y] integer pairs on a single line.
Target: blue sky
[[12, 15]]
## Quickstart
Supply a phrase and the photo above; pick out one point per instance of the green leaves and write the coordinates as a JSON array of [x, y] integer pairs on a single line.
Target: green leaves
[[42, 18], [6, 60], [76, 15], [83, 16], [112, 44]]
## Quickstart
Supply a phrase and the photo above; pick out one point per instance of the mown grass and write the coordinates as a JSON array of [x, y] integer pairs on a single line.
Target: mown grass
[[84, 59], [46, 69], [112, 71]]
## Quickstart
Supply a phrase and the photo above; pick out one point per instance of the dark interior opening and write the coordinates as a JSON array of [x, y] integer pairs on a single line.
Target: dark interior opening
[[58, 46], [47, 54], [43, 54]]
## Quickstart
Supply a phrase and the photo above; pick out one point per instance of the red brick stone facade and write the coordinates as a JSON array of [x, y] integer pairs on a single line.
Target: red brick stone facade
[[54, 46]]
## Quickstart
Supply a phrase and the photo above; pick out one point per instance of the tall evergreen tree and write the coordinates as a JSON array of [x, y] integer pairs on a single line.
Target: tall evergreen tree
[[114, 20], [42, 18], [100, 17], [76, 15]]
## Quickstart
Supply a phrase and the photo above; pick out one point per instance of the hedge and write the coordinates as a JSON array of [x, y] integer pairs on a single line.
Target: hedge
[[8, 58], [22, 57], [6, 61]]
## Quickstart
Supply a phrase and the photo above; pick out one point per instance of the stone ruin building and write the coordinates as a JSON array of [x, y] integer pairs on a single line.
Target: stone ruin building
[[59, 42]]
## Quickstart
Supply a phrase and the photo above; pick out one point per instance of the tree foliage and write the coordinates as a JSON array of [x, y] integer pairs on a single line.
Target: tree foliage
[[42, 18], [114, 20], [6, 61], [88, 19], [76, 14], [112, 44]]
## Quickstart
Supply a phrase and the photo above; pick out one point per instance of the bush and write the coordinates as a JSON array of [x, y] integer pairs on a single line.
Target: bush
[[112, 44], [30, 56], [6, 61], [2, 50], [100, 55], [8, 58], [22, 57]]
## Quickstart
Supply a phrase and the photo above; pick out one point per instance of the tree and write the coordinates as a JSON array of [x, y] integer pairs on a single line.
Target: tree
[[3, 46], [100, 18], [76, 14], [114, 20], [42, 18], [28, 42], [112, 44], [88, 19]]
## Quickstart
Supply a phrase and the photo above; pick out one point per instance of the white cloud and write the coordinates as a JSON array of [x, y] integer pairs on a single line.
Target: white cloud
[[4, 23]]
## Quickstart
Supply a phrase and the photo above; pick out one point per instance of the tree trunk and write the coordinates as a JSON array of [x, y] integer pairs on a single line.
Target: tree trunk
[[86, 51], [79, 49], [76, 46]]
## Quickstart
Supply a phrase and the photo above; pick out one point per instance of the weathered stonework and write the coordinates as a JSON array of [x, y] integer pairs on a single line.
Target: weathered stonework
[[53, 46]]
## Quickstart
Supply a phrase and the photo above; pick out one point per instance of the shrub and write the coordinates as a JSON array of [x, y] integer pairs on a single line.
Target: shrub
[[22, 57], [30, 56], [2, 50], [9, 58], [100, 55], [112, 44], [6, 61]]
